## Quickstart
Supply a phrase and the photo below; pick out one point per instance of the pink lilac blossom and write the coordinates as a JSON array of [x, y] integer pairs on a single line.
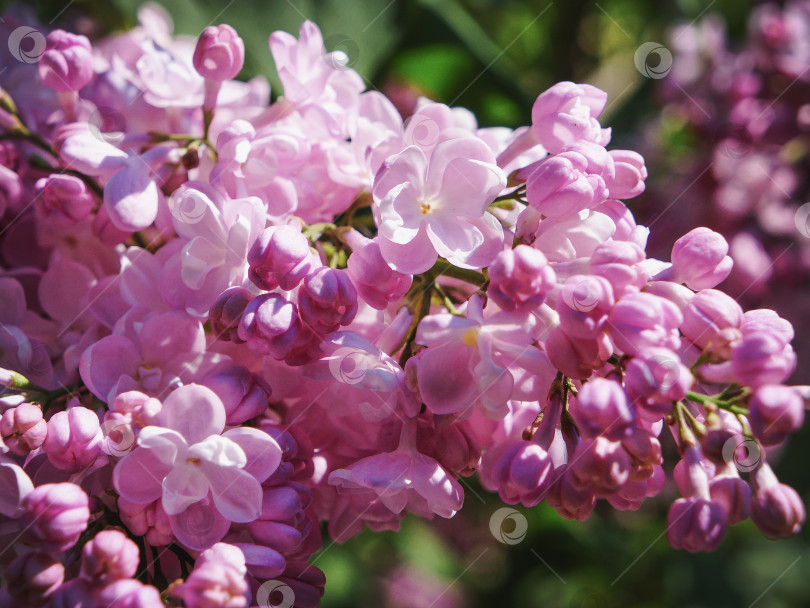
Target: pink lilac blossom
[[225, 321]]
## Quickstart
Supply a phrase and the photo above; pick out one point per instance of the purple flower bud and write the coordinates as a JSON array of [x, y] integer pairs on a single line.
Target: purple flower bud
[[583, 305], [33, 577], [74, 439], [270, 325], [64, 196], [376, 282], [67, 63], [561, 186], [521, 471], [619, 262], [762, 358], [707, 314], [149, 521], [327, 300], [566, 113], [571, 502], [110, 556], [642, 320], [214, 585], [630, 174], [227, 311], [220, 53], [734, 494], [696, 524], [654, 379], [280, 257], [77, 593], [23, 428], [700, 259], [520, 278], [777, 509], [55, 515], [577, 358], [600, 464], [601, 408], [129, 593], [244, 394], [775, 411]]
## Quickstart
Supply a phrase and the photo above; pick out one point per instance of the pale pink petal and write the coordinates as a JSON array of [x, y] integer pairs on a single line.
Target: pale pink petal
[[414, 258], [262, 451], [138, 477], [200, 525], [219, 451], [443, 494], [166, 335], [131, 198], [444, 378], [237, 494], [194, 411], [16, 485], [103, 363], [183, 486]]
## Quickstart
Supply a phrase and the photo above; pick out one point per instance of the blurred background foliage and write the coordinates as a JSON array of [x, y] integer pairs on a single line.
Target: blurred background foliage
[[494, 57]]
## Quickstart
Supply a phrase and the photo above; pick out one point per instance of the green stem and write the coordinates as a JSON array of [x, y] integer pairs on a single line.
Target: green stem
[[445, 268], [716, 401]]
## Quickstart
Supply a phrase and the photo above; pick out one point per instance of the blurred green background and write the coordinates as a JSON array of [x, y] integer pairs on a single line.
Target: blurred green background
[[494, 57]]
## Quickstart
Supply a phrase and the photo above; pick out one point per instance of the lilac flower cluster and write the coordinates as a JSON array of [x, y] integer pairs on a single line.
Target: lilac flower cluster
[[745, 106], [225, 321]]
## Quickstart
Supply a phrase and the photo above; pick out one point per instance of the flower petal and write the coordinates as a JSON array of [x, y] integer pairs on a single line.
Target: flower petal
[[138, 477], [200, 525], [262, 451], [237, 494], [194, 411], [183, 486]]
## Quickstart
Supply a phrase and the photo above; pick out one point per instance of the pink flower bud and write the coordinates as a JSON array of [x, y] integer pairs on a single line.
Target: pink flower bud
[[149, 521], [655, 378], [214, 585], [280, 256], [33, 577], [23, 429], [327, 300], [67, 64], [129, 593], [700, 259], [64, 196], [223, 553], [220, 53], [583, 305], [521, 472], [601, 465], [77, 593], [734, 494], [762, 358], [55, 515], [376, 282], [561, 186], [74, 439], [630, 174], [566, 113], [520, 278], [110, 556], [706, 314], [577, 358], [244, 394], [270, 325], [227, 311], [769, 321], [696, 524], [601, 408], [777, 509], [619, 262], [775, 412], [143, 409], [641, 320]]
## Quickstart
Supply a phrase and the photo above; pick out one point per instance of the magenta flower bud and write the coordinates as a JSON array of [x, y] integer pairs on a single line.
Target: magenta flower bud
[[55, 515], [226, 313], [641, 320], [520, 278], [33, 577], [571, 502], [327, 300], [220, 53], [64, 196], [67, 63], [214, 585], [76, 593], [110, 556], [700, 259], [775, 411], [561, 186], [280, 257], [223, 553], [583, 305], [619, 262], [777, 509], [706, 314], [769, 321], [630, 174], [23, 428], [601, 408], [696, 524], [74, 439], [521, 472], [600, 464], [376, 282], [270, 325], [734, 494], [143, 409], [149, 521], [654, 379], [761, 358], [566, 113], [129, 593], [577, 358], [244, 394]]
